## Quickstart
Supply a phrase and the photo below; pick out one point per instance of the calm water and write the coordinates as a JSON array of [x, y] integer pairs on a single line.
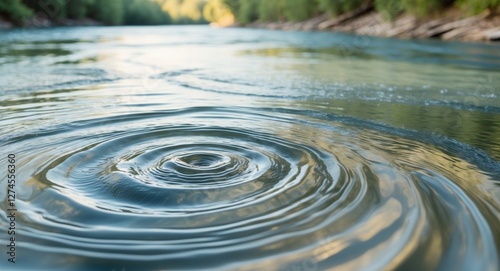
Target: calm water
[[172, 148]]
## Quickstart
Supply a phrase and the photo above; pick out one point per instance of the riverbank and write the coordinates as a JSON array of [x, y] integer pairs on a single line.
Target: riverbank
[[4, 24], [41, 22], [449, 25], [452, 24]]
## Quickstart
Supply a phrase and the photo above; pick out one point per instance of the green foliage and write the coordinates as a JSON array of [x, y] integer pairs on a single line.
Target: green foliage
[[247, 11], [140, 12], [478, 6], [53, 9], [424, 7], [78, 9], [389, 8], [299, 10], [146, 12], [270, 10], [15, 10], [110, 12], [336, 7], [184, 11]]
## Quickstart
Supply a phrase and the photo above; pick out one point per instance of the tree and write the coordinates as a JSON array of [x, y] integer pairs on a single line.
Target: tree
[[337, 7], [216, 11], [110, 12], [299, 10], [389, 8], [424, 7], [140, 12], [191, 11], [232, 5], [271, 10], [184, 11], [477, 6], [54, 9], [15, 10], [78, 9], [247, 11]]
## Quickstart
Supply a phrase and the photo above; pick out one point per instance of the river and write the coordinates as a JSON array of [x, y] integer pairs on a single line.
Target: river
[[190, 147]]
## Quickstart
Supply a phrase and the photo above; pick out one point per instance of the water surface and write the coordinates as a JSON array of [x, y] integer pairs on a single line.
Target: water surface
[[175, 148]]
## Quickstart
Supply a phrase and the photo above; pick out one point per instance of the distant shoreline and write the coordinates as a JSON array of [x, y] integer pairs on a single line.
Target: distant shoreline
[[451, 26], [46, 23], [483, 27], [43, 23]]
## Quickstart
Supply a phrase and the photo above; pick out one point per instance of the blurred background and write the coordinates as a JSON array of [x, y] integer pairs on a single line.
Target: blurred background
[[222, 12]]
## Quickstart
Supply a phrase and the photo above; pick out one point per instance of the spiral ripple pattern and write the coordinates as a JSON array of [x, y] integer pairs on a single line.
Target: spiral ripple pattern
[[251, 189]]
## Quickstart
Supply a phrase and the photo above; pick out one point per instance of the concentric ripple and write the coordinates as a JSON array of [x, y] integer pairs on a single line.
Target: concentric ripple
[[253, 189]]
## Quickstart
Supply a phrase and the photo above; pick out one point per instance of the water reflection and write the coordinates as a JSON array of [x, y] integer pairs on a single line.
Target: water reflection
[[477, 128], [250, 149]]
